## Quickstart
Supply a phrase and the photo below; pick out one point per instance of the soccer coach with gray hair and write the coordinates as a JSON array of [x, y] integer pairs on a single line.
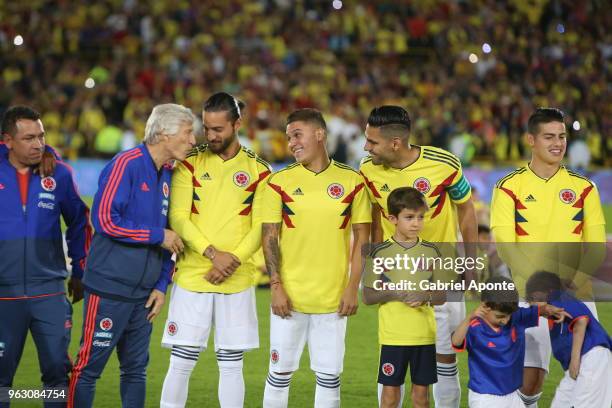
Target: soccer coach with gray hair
[[129, 264]]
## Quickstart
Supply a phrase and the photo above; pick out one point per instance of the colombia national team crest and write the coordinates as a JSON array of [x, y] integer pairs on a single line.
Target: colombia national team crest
[[165, 189], [567, 196], [335, 190], [241, 178], [388, 369], [106, 324], [48, 184], [274, 356], [422, 184], [172, 328]]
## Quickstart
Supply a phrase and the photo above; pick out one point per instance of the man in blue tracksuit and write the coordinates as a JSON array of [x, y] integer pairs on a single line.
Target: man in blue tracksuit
[[129, 265], [32, 260]]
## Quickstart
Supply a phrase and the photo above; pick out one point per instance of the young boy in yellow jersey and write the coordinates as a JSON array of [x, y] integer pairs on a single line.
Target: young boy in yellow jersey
[[215, 210], [310, 208], [407, 325]]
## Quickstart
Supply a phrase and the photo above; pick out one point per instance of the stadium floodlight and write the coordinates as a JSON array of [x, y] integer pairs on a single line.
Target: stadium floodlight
[[486, 48], [473, 58], [18, 40], [337, 4], [90, 83]]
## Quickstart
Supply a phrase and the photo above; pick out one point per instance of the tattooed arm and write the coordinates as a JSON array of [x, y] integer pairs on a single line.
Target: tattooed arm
[[281, 304]]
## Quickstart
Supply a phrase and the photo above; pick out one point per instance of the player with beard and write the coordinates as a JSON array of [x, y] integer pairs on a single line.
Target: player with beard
[[215, 210], [394, 162]]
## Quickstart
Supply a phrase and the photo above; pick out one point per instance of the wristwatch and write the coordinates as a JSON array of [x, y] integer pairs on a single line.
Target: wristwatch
[[210, 252]]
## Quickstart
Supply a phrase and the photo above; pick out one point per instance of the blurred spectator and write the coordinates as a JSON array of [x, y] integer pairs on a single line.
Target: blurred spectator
[[579, 156], [108, 141], [460, 68]]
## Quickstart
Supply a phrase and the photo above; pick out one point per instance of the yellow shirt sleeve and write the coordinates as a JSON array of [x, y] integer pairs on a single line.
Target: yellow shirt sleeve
[[252, 241], [460, 190], [272, 202], [180, 210], [368, 191], [593, 218], [361, 212], [502, 216]]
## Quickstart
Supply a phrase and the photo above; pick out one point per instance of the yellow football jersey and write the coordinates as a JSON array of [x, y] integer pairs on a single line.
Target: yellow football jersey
[[540, 210], [548, 219], [438, 175], [316, 211], [398, 323], [218, 202]]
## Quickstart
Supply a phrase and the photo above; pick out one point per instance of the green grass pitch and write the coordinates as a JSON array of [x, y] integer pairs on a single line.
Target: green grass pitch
[[358, 379]]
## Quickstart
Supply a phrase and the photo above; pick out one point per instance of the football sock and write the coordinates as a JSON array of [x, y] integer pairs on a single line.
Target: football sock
[[176, 385]]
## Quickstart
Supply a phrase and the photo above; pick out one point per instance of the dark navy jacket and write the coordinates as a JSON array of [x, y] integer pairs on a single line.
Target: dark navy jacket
[[32, 260], [561, 334], [129, 214]]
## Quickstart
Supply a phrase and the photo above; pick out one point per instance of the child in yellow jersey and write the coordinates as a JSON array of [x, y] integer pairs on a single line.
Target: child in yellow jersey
[[407, 325]]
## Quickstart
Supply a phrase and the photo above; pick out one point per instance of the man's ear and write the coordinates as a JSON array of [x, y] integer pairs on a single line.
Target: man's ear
[[7, 140], [237, 124], [530, 139], [396, 143], [320, 133]]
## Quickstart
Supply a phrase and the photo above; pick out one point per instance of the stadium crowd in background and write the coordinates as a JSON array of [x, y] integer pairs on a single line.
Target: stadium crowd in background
[[469, 72]]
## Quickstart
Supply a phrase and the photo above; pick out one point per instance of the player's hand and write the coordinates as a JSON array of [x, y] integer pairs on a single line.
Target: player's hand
[[479, 312], [281, 304], [172, 242], [225, 262], [414, 298], [215, 276], [46, 167], [155, 303], [349, 302], [559, 314], [75, 289], [574, 368]]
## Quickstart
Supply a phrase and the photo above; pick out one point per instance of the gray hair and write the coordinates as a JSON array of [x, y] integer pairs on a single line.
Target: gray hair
[[166, 119]]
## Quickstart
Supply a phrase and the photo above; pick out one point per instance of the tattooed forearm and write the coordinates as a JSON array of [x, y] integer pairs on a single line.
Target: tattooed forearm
[[271, 250]]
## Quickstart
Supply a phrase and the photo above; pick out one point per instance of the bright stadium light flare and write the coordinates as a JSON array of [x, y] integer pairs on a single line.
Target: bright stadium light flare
[[473, 58], [337, 4], [18, 40], [486, 48], [560, 28], [90, 83], [576, 125]]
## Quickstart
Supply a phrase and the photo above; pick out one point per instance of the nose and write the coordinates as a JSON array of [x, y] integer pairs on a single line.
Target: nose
[[192, 140], [367, 147]]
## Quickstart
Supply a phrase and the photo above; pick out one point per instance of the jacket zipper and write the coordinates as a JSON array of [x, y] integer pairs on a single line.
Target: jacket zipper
[[25, 238]]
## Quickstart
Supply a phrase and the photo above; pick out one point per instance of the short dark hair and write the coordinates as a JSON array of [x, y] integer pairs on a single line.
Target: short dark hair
[[224, 102], [309, 115], [405, 198], [15, 113], [505, 301], [393, 120], [544, 115], [542, 281]]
